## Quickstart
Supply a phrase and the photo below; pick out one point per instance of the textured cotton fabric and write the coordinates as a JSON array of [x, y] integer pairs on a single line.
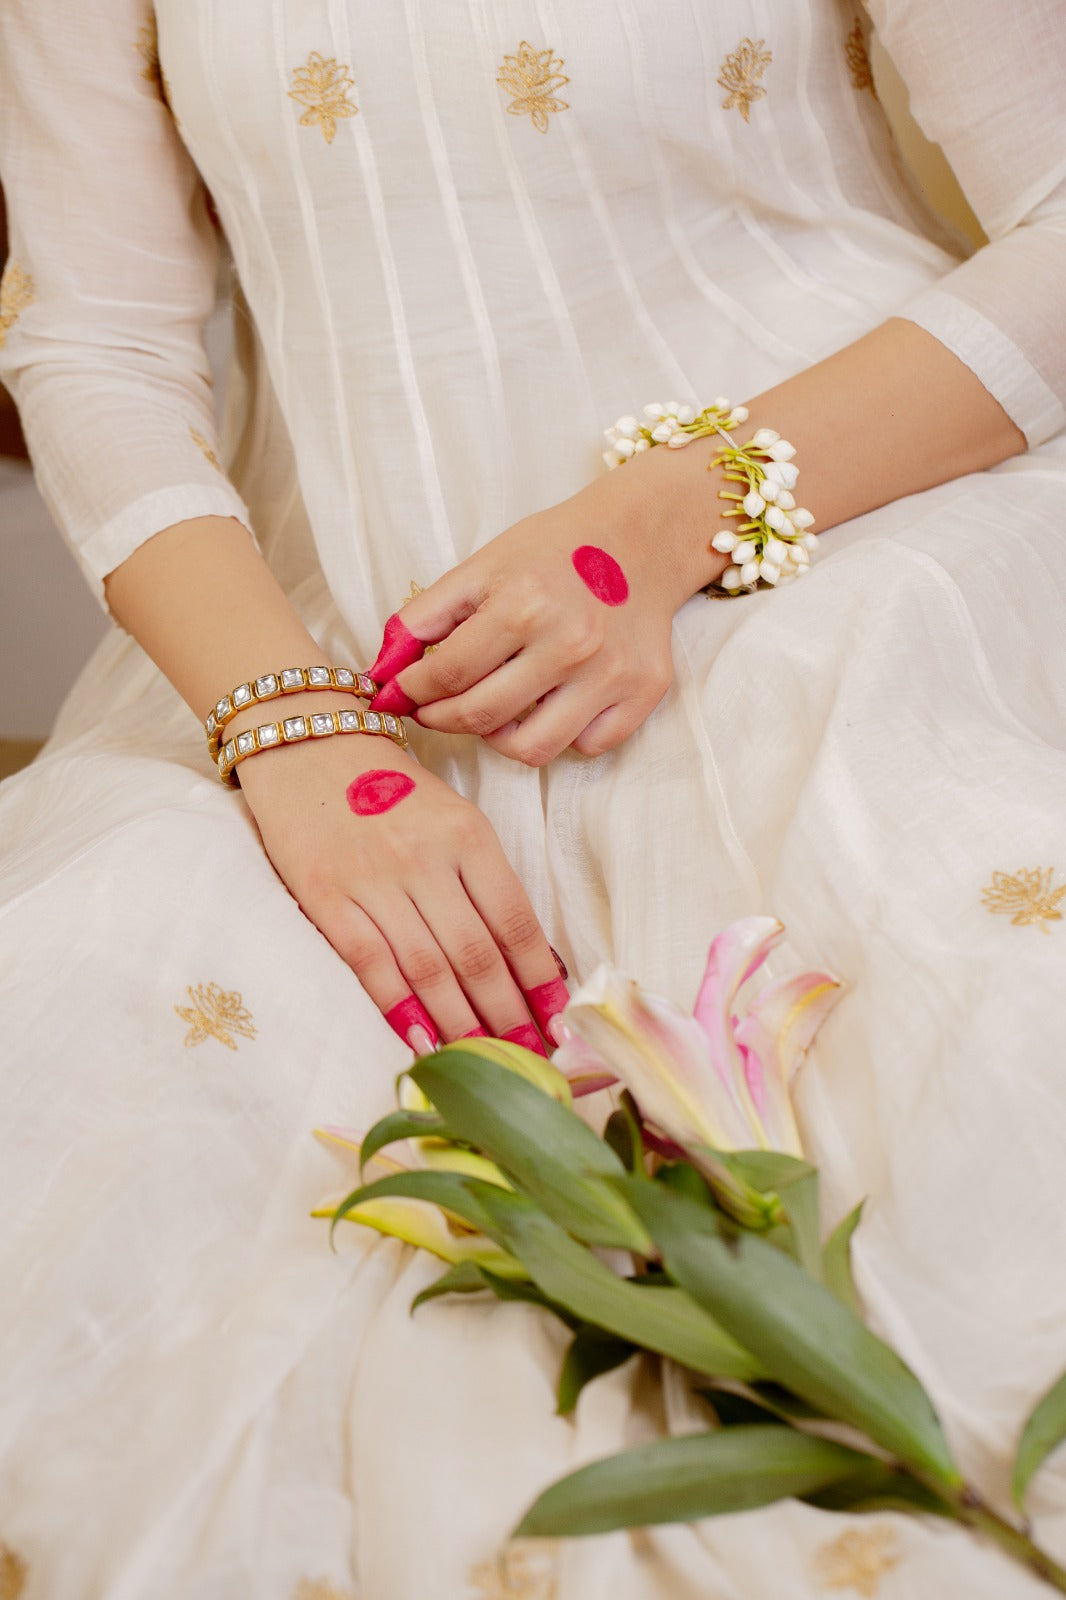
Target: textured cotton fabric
[[448, 286]]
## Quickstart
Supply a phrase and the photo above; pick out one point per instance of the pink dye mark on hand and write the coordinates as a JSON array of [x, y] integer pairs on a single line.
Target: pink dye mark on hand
[[378, 791], [546, 1001], [601, 574], [399, 648], [410, 1013], [527, 1035]]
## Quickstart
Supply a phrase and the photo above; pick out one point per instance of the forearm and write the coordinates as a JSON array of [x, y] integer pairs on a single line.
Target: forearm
[[202, 602], [890, 415]]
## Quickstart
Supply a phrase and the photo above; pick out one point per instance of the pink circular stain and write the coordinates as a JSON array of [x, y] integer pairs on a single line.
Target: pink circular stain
[[601, 574], [378, 791]]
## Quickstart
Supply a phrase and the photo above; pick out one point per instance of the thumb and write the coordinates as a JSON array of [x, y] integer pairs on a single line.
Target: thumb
[[427, 619]]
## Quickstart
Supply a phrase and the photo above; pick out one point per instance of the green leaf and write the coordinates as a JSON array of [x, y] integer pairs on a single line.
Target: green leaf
[[464, 1278], [592, 1353], [621, 1134], [836, 1259], [401, 1125], [878, 1486], [665, 1321], [1045, 1430], [804, 1337], [544, 1147], [449, 1190], [681, 1178], [795, 1184], [678, 1480]]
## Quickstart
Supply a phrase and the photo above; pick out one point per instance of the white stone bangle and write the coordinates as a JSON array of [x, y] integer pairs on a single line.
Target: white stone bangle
[[272, 685], [293, 730], [771, 539]]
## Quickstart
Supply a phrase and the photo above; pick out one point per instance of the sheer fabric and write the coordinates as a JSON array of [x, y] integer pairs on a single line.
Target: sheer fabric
[[456, 275]]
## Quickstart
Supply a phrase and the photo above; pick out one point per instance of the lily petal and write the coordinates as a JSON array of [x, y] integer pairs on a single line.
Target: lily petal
[[773, 1038]]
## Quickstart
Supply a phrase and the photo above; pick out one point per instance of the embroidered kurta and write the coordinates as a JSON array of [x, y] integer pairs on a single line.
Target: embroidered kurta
[[465, 238]]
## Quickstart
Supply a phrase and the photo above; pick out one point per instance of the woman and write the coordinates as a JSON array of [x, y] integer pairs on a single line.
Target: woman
[[467, 242]]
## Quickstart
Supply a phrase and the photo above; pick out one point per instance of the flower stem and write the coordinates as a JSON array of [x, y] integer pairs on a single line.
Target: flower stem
[[968, 1507]]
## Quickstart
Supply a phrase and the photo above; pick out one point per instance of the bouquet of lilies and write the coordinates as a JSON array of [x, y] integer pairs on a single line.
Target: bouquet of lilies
[[699, 1185]]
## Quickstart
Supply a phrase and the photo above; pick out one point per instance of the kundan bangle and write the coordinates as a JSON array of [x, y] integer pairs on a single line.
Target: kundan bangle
[[771, 539], [292, 730], [272, 685]]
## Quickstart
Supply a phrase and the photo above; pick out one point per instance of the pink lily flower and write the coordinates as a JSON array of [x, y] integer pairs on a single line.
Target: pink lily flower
[[711, 1078]]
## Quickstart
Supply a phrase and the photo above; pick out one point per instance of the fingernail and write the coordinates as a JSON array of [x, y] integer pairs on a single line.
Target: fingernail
[[557, 1030], [560, 963], [526, 1034], [399, 648], [390, 697], [420, 1041], [546, 1001], [475, 1033], [411, 1013]]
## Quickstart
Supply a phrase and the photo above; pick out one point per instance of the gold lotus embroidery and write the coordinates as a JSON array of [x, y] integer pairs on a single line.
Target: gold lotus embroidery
[[321, 1589], [204, 446], [740, 74], [322, 86], [531, 77], [858, 59], [1025, 896], [516, 1573], [13, 1574], [215, 1014], [858, 1560], [16, 293]]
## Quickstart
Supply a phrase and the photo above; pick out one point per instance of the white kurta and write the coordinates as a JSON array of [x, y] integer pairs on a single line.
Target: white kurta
[[455, 280]]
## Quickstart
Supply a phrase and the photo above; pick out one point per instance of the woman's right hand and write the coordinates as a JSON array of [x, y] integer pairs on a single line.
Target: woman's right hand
[[411, 887]]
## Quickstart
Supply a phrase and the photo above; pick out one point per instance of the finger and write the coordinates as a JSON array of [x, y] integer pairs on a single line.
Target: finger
[[552, 726], [359, 942], [613, 726], [426, 968], [476, 648], [428, 618], [476, 959], [508, 914], [509, 693]]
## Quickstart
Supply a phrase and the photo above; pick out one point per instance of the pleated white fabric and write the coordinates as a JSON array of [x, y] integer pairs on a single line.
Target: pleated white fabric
[[451, 290]]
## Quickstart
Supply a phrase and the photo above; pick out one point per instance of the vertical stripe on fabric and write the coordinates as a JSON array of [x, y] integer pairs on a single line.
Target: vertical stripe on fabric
[[240, 243], [538, 250], [502, 447], [739, 316], [340, 419], [364, 143], [571, 131]]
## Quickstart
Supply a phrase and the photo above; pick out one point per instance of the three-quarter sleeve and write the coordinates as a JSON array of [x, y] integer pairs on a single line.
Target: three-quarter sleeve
[[987, 82], [109, 280]]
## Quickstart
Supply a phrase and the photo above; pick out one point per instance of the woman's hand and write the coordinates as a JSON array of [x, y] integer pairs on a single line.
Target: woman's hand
[[410, 885], [557, 633]]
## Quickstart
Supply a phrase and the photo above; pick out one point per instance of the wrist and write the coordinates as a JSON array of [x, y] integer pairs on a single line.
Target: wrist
[[679, 510]]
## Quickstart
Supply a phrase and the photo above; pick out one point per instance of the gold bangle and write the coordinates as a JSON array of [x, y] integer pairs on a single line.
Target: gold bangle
[[272, 685], [292, 730]]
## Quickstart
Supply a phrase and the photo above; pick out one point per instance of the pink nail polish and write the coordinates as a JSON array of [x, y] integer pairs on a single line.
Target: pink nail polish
[[526, 1034], [390, 697], [546, 1000], [399, 649], [411, 1013], [420, 1041], [475, 1033]]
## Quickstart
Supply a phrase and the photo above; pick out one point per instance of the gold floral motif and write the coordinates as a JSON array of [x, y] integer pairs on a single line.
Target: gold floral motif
[[858, 59], [1025, 896], [518, 1572], [740, 74], [532, 77], [322, 86], [13, 1573], [858, 1560], [16, 293], [215, 1014], [321, 1589], [204, 446]]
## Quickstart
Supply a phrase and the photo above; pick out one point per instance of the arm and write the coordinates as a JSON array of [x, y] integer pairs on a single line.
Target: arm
[[105, 357]]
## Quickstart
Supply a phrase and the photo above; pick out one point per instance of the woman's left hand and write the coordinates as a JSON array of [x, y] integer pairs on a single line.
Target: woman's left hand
[[557, 633]]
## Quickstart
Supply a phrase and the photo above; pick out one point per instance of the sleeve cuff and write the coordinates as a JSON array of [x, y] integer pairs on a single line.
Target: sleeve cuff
[[1006, 372], [135, 524]]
